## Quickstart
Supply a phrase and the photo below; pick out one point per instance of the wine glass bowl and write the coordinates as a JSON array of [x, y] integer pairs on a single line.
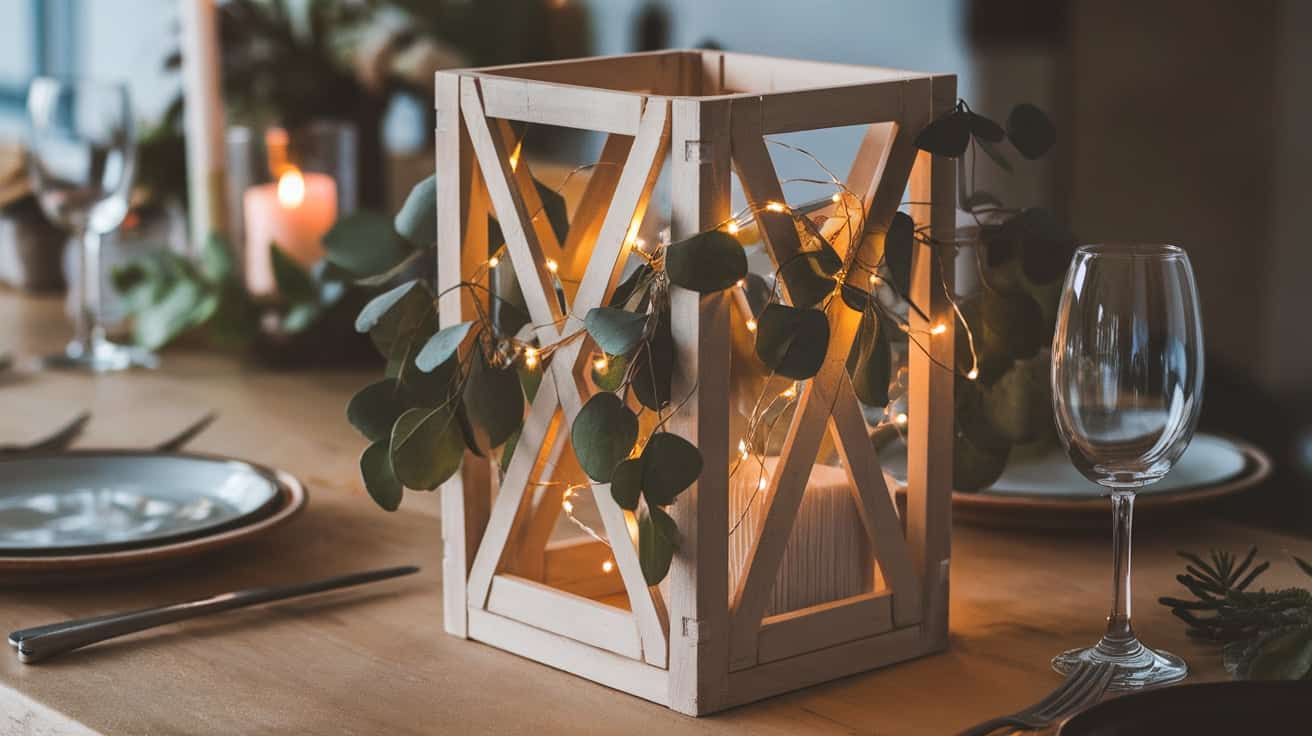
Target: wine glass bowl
[[1127, 385], [82, 154]]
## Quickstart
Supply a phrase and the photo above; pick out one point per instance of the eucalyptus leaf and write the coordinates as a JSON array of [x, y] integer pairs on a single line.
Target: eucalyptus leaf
[[216, 262], [899, 244], [997, 156], [629, 286], [294, 283], [494, 399], [658, 540], [871, 362], [1018, 403], [376, 308], [669, 465], [626, 484], [1030, 131], [1011, 324], [947, 136], [653, 376], [616, 331], [417, 219], [855, 297], [603, 434], [442, 346], [1283, 655], [399, 319], [807, 282], [300, 317], [791, 341], [707, 262], [364, 244], [427, 447], [975, 468], [374, 409], [379, 480], [183, 306], [612, 376], [553, 206], [817, 247], [758, 292]]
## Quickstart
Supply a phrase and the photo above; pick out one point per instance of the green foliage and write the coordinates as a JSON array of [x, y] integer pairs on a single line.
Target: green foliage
[[1030, 131], [1267, 635], [792, 342], [494, 399], [616, 331], [442, 346], [653, 376], [899, 243], [870, 362], [603, 434], [379, 480], [426, 446], [669, 465], [417, 219], [626, 483], [707, 262], [375, 409], [947, 136], [658, 539], [364, 244]]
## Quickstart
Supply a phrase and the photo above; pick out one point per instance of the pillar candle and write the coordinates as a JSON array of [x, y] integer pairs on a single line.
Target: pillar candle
[[295, 212]]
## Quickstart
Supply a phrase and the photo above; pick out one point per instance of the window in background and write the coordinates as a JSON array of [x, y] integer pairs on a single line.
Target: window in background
[[36, 37]]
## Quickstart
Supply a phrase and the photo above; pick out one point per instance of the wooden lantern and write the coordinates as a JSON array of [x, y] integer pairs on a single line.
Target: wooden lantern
[[692, 643]]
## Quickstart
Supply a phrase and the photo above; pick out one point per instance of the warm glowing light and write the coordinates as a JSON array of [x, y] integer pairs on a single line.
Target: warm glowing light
[[552, 266], [762, 484], [874, 279], [514, 155], [790, 392], [568, 506], [291, 188], [639, 243], [938, 329], [973, 374], [607, 566], [901, 418], [530, 358], [751, 325], [836, 198], [493, 261], [601, 364], [903, 326], [742, 448], [775, 206], [742, 283], [733, 228]]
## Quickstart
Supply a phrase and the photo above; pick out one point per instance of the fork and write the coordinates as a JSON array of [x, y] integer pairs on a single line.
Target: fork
[[1085, 685], [57, 441]]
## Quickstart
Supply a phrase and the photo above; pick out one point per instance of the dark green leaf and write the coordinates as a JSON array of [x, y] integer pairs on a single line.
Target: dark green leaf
[[855, 297], [376, 308], [758, 293], [817, 247], [1046, 245], [300, 316], [216, 262], [442, 346], [996, 155], [985, 129], [612, 377], [616, 331], [364, 244], [182, 307], [426, 447], [399, 319], [379, 480], [658, 539], [471, 437], [1011, 324], [494, 399], [432, 389], [791, 341], [626, 483], [975, 468], [946, 136], [374, 409], [603, 434], [1284, 655], [871, 362], [553, 206], [807, 283], [1019, 403], [899, 243], [654, 374], [417, 220], [669, 465], [629, 286], [1030, 131], [707, 262]]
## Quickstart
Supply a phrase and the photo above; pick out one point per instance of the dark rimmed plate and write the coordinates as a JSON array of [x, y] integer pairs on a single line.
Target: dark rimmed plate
[[1198, 710]]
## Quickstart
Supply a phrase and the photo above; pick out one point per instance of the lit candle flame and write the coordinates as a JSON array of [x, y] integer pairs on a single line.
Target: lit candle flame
[[291, 188]]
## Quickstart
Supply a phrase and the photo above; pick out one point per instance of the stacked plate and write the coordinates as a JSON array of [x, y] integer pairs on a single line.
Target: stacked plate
[[96, 513]]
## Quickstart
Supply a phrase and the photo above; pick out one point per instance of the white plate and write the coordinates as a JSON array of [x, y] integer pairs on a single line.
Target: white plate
[[86, 502]]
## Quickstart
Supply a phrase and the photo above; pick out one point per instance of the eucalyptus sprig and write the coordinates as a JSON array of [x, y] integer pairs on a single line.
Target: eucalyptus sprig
[[1264, 634]]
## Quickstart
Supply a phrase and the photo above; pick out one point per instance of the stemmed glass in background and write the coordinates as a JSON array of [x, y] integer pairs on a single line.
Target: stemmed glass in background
[[81, 163], [1127, 384]]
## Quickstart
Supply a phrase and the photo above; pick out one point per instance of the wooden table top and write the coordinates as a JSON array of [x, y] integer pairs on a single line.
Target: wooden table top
[[376, 660]]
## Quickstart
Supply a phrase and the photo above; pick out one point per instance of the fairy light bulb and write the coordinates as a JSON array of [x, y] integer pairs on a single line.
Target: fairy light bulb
[[742, 448], [874, 279], [938, 329], [973, 374], [775, 206], [568, 505], [552, 266], [514, 155], [530, 358], [741, 284], [762, 484], [607, 566], [732, 228], [751, 325], [901, 418], [601, 364], [790, 392], [836, 198], [493, 261]]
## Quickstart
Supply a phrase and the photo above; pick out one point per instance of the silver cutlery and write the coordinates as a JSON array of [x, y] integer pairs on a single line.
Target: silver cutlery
[[59, 440], [1084, 687], [177, 441], [43, 642]]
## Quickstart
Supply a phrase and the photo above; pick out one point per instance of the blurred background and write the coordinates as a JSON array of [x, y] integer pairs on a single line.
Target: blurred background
[[1177, 122]]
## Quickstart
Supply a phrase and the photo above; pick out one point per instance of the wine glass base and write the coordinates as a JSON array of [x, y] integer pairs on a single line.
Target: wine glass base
[[101, 356], [1137, 666]]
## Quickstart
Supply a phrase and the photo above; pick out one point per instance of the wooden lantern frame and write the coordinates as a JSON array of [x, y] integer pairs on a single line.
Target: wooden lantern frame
[[692, 643]]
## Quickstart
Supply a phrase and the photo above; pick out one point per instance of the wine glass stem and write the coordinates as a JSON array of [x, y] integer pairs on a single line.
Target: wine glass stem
[[87, 326], [1118, 621]]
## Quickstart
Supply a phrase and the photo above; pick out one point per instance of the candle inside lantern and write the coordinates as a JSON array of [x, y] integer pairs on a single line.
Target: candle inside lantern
[[295, 212]]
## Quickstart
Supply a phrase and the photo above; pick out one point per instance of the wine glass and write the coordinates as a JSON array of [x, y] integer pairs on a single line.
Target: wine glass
[[81, 163], [1127, 384]]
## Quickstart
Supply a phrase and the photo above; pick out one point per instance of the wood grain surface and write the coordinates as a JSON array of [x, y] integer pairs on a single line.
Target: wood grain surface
[[375, 660]]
